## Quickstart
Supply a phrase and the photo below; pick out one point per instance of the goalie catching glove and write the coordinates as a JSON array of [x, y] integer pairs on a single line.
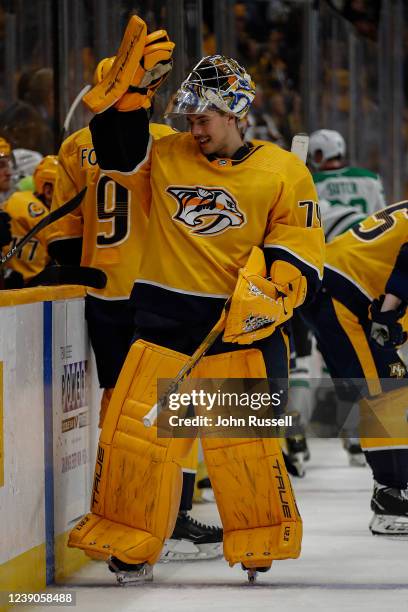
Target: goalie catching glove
[[259, 305], [141, 65]]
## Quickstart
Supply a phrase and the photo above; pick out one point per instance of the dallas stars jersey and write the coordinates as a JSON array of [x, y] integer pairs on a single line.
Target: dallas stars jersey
[[360, 264], [206, 214], [25, 211], [348, 195], [109, 219]]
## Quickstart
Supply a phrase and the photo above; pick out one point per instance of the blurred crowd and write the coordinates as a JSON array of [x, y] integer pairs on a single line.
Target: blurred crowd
[[264, 42], [269, 37]]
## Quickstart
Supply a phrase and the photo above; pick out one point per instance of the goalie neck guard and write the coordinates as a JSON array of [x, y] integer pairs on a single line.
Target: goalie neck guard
[[215, 83]]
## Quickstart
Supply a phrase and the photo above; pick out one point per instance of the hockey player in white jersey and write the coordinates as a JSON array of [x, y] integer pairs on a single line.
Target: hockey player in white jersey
[[347, 194]]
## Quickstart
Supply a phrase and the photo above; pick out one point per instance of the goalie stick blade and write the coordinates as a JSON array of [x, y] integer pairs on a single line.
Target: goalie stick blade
[[53, 216], [300, 145], [70, 275]]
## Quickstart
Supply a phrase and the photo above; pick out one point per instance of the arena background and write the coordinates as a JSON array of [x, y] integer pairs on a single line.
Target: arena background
[[338, 63]]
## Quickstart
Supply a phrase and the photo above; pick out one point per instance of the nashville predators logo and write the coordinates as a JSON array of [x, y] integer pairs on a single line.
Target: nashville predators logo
[[397, 370], [209, 211], [35, 210]]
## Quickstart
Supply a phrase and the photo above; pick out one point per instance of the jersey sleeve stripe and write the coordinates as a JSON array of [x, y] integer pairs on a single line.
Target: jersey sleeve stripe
[[302, 263], [312, 274], [174, 289]]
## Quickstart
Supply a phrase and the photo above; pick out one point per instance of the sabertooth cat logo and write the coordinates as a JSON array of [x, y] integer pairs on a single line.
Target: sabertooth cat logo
[[207, 211]]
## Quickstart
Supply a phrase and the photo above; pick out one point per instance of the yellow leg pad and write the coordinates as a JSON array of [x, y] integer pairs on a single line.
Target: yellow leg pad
[[252, 488], [255, 500], [383, 420], [137, 482], [106, 397], [190, 462], [101, 538]]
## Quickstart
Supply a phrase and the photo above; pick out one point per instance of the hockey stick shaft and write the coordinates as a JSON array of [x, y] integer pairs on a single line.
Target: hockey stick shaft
[[206, 344], [71, 111], [70, 275], [299, 147], [53, 216]]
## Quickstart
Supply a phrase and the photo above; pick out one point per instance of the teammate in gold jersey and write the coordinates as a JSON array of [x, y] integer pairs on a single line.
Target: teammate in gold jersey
[[106, 232], [25, 210], [210, 200], [366, 329]]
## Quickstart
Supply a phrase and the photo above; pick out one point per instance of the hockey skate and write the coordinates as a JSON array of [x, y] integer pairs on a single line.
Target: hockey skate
[[205, 489], [127, 573], [390, 507], [297, 451], [252, 572], [354, 452], [192, 540]]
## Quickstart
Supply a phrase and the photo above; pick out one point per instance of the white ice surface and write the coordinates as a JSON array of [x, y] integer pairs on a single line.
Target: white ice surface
[[342, 566]]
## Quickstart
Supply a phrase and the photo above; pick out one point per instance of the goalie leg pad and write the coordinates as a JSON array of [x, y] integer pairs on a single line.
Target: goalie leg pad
[[138, 478], [189, 463], [106, 398], [252, 489]]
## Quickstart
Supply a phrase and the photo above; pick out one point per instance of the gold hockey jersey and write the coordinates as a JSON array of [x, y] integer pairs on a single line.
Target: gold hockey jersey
[[25, 211], [206, 214], [366, 255], [109, 219]]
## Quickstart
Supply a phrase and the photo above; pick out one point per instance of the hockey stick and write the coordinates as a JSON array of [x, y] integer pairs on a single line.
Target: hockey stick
[[71, 111], [299, 147], [70, 275], [206, 344], [53, 216]]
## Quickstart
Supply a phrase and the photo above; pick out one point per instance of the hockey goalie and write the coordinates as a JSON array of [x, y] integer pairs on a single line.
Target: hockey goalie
[[225, 218]]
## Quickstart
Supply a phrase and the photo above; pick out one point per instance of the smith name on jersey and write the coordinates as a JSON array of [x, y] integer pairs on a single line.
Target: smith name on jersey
[[206, 213], [109, 220]]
